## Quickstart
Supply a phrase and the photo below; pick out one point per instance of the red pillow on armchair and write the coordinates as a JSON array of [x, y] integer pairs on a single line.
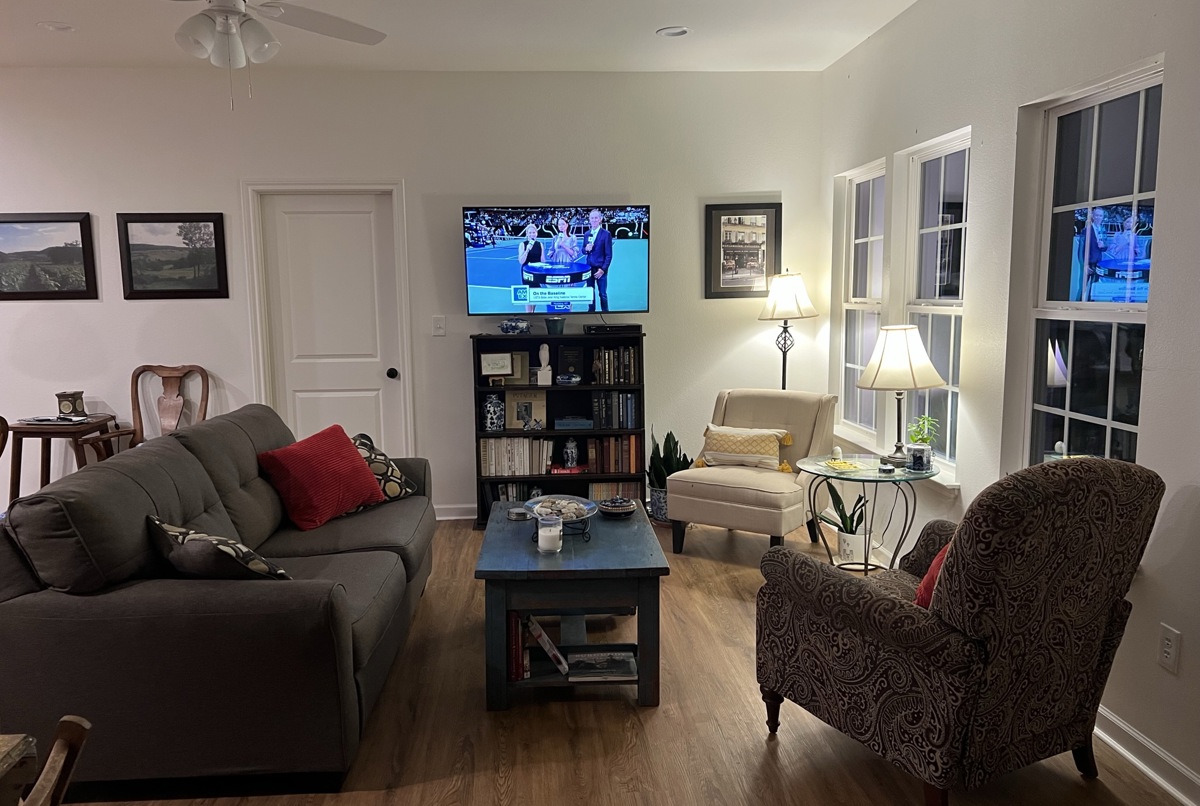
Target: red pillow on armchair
[[925, 589], [320, 477]]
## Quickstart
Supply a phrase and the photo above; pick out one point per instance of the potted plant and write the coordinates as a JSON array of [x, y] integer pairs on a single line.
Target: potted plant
[[921, 434], [663, 462], [847, 523]]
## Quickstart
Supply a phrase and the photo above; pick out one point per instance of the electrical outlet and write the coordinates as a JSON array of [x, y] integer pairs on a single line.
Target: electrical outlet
[[1169, 640], [439, 325]]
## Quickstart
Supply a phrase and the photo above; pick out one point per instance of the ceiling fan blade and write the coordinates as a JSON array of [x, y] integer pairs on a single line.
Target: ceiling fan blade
[[321, 23]]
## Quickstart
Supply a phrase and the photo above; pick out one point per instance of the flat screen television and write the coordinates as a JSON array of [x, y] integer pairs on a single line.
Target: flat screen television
[[557, 260]]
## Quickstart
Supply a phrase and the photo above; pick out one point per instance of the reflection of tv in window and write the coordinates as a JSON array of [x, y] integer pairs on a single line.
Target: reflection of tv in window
[[1113, 252], [557, 260]]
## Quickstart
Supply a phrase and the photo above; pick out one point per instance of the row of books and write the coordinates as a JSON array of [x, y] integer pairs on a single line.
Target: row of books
[[616, 364], [603, 490], [512, 491], [615, 409], [615, 454], [515, 456], [577, 666]]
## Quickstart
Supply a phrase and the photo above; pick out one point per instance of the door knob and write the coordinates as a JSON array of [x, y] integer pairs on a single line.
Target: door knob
[[393, 373]]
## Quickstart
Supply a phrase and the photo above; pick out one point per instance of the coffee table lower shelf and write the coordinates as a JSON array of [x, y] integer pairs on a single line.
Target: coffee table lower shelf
[[544, 674]]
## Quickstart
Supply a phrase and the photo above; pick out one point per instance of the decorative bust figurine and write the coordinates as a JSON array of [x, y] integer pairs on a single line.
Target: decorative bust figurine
[[544, 355]]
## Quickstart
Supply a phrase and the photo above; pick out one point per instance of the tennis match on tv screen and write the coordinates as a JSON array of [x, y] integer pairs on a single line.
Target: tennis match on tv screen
[[557, 260]]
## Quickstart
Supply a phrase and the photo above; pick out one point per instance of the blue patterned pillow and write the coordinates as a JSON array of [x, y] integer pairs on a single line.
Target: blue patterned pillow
[[391, 481]]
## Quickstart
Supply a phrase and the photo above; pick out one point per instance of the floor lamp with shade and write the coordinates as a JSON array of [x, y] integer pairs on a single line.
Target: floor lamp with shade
[[787, 299], [899, 364]]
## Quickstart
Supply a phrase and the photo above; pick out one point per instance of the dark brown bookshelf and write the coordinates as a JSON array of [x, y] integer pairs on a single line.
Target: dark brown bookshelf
[[613, 371]]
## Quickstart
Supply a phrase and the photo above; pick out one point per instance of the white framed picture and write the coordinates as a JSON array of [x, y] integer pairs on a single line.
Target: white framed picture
[[495, 363]]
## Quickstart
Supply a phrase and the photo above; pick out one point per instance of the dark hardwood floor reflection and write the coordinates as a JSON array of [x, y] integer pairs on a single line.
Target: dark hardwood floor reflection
[[430, 741]]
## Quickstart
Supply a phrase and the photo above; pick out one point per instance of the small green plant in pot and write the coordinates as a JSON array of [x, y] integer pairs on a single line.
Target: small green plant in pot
[[664, 461], [921, 434], [847, 522]]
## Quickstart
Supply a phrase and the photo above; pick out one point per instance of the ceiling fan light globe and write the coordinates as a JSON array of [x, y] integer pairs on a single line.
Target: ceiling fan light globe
[[197, 35], [260, 44], [228, 52]]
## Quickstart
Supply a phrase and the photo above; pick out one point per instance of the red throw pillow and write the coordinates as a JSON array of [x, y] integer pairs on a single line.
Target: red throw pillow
[[925, 589], [320, 477]]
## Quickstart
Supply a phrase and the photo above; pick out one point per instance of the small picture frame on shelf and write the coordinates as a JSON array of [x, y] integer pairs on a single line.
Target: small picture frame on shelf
[[495, 363], [520, 370]]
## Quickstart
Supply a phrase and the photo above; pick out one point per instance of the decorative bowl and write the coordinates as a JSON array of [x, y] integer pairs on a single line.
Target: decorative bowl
[[570, 508], [514, 325], [617, 507], [569, 379]]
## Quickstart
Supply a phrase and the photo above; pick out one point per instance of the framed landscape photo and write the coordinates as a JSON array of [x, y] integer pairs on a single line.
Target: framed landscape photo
[[741, 249], [173, 255], [47, 256]]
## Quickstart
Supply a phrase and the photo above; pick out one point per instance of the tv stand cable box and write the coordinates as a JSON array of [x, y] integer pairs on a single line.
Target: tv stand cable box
[[596, 330]]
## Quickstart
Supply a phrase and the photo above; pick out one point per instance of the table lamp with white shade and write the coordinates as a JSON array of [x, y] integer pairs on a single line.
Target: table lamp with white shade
[[787, 299], [899, 363]]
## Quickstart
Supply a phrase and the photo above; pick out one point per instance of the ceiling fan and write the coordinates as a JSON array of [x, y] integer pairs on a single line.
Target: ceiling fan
[[227, 35]]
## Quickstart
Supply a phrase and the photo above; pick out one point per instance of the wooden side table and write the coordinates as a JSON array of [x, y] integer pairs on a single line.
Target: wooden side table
[[18, 766], [47, 432]]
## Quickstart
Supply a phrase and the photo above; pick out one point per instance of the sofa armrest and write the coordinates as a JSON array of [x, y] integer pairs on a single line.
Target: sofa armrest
[[856, 607], [416, 469], [934, 537], [258, 674]]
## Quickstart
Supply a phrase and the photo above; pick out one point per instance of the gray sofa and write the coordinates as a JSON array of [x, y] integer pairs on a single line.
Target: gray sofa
[[187, 677]]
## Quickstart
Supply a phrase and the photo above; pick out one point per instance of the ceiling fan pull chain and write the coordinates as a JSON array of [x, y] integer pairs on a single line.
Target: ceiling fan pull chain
[[249, 81], [230, 62]]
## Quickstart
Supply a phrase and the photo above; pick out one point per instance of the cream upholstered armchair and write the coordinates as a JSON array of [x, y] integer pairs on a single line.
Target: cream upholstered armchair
[[755, 499], [1007, 665]]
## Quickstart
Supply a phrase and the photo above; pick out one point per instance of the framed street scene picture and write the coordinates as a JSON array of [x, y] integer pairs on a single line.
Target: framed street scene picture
[[173, 255], [741, 249], [47, 256]]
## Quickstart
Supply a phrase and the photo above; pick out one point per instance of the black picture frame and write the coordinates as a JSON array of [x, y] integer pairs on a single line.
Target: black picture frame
[[38, 272], [133, 230], [741, 268]]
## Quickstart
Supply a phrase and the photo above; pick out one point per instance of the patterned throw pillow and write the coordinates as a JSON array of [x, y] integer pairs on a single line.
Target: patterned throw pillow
[[751, 447], [320, 477], [392, 482], [196, 554]]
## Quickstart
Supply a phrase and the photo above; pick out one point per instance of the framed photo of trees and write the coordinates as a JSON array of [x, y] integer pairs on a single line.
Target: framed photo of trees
[[173, 255], [47, 256]]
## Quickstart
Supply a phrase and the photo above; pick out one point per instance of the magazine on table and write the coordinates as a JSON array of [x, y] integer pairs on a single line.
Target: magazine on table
[[600, 666]]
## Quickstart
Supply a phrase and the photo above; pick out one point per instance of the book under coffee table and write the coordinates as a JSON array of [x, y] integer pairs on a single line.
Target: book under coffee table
[[617, 569]]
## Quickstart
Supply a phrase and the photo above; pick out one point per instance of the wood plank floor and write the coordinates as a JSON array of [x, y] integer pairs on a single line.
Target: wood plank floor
[[430, 740]]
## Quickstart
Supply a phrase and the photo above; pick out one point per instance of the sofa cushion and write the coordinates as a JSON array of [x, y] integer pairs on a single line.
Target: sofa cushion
[[16, 577], [392, 483], [374, 582], [203, 556], [228, 447], [320, 477], [403, 527], [88, 530], [750, 486]]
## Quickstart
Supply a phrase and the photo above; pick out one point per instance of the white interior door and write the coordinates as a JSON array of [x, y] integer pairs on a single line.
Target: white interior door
[[334, 310]]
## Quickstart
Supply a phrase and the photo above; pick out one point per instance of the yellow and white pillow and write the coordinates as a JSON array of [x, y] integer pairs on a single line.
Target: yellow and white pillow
[[750, 447]]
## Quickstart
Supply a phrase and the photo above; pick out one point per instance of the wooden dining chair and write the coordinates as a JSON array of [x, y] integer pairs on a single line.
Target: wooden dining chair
[[3, 435], [169, 406], [51, 784]]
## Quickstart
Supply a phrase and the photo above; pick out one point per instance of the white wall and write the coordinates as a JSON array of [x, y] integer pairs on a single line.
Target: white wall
[[943, 65], [109, 141]]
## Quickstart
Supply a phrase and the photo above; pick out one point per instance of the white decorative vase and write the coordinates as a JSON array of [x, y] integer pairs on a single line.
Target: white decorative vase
[[658, 504], [850, 547]]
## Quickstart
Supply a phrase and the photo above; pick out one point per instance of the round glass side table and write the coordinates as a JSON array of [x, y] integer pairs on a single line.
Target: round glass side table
[[864, 469]]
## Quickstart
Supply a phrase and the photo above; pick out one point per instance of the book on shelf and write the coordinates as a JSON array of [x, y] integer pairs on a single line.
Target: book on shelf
[[556, 470], [601, 666], [540, 636], [571, 360], [571, 422]]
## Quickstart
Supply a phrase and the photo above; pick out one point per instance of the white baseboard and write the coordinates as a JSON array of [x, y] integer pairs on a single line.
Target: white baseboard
[[454, 512], [1160, 766]]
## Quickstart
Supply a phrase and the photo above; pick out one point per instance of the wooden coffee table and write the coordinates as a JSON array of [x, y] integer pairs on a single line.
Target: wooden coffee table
[[618, 568]]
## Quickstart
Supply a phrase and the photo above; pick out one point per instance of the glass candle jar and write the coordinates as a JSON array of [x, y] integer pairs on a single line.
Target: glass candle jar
[[549, 534]]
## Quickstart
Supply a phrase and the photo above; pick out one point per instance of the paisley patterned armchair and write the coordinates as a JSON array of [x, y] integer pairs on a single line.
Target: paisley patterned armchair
[[1008, 664]]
